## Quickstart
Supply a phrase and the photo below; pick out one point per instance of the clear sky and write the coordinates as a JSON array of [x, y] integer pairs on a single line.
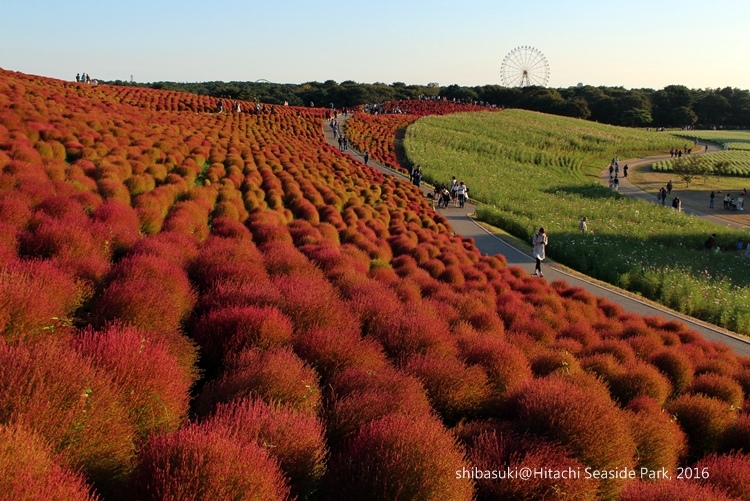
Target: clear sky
[[634, 44]]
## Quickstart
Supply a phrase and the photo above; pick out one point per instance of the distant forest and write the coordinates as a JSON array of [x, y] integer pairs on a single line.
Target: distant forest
[[672, 106]]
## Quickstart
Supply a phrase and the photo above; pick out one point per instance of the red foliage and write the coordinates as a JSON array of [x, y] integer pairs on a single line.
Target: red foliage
[[36, 297], [152, 386], [50, 389], [722, 387], [505, 451], [331, 350], [416, 459], [639, 379], [659, 441], [675, 365], [673, 490], [232, 329], [360, 396], [456, 391], [704, 420], [729, 473], [294, 439], [506, 366], [275, 376], [29, 470], [561, 411], [203, 462]]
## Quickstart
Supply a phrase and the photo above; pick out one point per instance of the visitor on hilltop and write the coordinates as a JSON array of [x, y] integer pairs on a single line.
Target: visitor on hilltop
[[711, 198], [539, 241], [78, 77], [582, 225], [220, 106]]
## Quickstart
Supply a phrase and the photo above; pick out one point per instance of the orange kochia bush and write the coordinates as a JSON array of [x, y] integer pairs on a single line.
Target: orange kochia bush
[[149, 243]]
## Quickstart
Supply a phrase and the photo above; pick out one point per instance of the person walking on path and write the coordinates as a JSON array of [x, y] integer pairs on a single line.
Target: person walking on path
[[540, 242], [669, 187], [366, 157], [711, 197], [462, 191]]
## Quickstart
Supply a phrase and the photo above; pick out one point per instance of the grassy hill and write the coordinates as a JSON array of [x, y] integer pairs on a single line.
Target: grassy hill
[[533, 170]]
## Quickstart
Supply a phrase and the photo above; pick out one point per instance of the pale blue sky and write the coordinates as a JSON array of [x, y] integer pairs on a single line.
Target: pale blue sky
[[639, 43]]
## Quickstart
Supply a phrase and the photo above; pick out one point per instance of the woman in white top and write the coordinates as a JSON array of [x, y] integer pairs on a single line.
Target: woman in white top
[[540, 241]]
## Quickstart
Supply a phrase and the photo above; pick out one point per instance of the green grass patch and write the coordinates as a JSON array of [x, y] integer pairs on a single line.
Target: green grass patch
[[737, 163], [534, 170], [735, 140]]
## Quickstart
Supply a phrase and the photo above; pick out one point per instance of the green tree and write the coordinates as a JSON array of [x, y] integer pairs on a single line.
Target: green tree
[[688, 168], [636, 117]]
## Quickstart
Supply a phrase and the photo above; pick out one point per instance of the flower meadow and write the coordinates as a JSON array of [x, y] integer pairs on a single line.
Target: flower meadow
[[221, 306], [533, 170]]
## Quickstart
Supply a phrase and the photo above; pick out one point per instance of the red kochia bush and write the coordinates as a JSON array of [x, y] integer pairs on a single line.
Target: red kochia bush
[[587, 422], [153, 387], [295, 440], [360, 396], [203, 462], [331, 350], [730, 473], [148, 292], [717, 386], [53, 391], [28, 470], [34, 297], [232, 329], [400, 457], [660, 443], [704, 420], [675, 365], [637, 380], [456, 391], [501, 451], [672, 490], [276, 375]]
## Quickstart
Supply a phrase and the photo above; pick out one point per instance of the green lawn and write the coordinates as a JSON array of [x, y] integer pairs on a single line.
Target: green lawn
[[735, 140], [533, 170]]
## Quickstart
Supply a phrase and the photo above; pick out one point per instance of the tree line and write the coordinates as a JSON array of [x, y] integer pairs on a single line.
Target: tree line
[[672, 106]]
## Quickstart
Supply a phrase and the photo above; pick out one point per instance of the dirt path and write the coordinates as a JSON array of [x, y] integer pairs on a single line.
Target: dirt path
[[463, 224]]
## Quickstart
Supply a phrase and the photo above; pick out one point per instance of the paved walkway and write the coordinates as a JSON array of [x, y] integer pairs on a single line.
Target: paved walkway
[[487, 243]]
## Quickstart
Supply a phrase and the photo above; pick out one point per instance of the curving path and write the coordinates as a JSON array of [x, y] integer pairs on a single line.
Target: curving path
[[488, 243]]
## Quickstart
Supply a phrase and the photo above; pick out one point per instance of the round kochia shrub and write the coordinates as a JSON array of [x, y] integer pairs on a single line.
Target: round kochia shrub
[[294, 439], [704, 420], [660, 443], [230, 330], [672, 490], [587, 422], [153, 387], [276, 375], [28, 470], [203, 462], [730, 473], [503, 450], [51, 390], [456, 391], [400, 458]]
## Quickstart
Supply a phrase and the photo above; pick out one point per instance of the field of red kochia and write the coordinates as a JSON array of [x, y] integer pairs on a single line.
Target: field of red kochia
[[221, 306]]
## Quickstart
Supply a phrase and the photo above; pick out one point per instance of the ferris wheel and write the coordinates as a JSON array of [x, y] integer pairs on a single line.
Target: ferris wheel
[[524, 66]]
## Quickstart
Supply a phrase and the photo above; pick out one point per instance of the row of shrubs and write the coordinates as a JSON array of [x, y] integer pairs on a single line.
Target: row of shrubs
[[284, 323]]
